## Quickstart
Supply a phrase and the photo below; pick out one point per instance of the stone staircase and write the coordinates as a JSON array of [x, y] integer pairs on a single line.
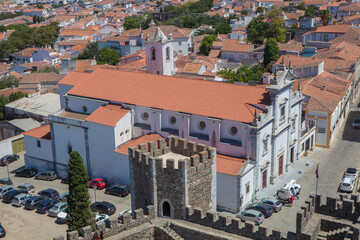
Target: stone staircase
[[172, 234], [337, 234]]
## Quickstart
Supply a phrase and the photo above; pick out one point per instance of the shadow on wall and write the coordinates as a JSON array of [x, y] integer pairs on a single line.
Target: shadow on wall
[[350, 133]]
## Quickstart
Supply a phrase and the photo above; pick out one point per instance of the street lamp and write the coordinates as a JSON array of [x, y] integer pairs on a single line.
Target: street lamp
[[7, 166], [94, 187]]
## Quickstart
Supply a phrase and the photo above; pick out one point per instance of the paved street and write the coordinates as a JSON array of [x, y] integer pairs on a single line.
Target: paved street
[[21, 224], [333, 163]]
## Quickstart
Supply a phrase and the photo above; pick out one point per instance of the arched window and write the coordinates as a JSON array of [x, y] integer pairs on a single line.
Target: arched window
[[167, 53], [153, 54]]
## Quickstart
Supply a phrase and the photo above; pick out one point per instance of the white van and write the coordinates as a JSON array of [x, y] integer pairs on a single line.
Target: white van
[[290, 189]]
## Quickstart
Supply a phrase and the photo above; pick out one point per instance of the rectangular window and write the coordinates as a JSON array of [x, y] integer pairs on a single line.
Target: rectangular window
[[282, 114], [293, 125], [321, 126], [38, 144], [179, 43], [247, 186], [180, 51]]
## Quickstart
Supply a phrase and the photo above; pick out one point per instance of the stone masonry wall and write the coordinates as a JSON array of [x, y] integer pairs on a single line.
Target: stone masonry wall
[[126, 222], [199, 175]]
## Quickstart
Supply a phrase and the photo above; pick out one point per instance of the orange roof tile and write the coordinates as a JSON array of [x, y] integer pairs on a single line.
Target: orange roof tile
[[228, 165], [333, 29], [42, 132], [123, 149], [172, 93], [107, 115], [74, 78], [233, 45]]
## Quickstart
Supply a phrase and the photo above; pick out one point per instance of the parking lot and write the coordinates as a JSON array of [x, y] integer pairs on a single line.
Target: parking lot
[[23, 224]]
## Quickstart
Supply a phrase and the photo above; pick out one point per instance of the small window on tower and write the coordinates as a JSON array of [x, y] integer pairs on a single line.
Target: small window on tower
[[167, 53], [153, 57]]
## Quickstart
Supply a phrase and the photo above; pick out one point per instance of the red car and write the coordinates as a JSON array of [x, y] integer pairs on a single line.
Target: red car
[[98, 182]]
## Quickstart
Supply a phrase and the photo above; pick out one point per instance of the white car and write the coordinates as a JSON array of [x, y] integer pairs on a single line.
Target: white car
[[125, 211], [101, 218], [61, 217], [351, 173], [347, 184]]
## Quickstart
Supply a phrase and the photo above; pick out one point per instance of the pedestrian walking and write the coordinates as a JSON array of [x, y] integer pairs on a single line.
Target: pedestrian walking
[[101, 235]]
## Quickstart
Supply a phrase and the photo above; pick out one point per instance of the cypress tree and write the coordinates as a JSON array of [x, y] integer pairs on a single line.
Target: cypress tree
[[79, 212], [271, 51]]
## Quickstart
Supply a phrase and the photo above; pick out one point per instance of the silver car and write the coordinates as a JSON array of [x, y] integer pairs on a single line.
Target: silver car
[[251, 215], [347, 184], [274, 203], [356, 123], [19, 200], [27, 186], [5, 189], [57, 208]]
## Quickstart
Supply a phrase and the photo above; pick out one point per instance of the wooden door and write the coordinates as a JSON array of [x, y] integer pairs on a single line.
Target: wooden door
[[281, 161], [264, 179]]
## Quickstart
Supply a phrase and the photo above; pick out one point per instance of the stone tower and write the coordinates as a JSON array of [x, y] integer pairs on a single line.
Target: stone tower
[[173, 175], [159, 54]]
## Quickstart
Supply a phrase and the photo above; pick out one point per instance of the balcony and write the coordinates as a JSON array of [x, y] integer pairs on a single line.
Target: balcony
[[305, 129]]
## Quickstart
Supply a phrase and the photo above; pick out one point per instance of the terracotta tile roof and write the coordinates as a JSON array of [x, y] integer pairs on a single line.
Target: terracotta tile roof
[[333, 29], [341, 51], [298, 61], [74, 78], [40, 77], [123, 149], [139, 64], [165, 92], [192, 67], [228, 165], [27, 52], [316, 2], [334, 64], [351, 36], [8, 91], [353, 7], [71, 32], [108, 115], [42, 132], [291, 46], [233, 45], [175, 31]]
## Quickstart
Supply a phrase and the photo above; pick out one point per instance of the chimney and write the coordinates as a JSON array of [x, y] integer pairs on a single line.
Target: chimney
[[323, 88]]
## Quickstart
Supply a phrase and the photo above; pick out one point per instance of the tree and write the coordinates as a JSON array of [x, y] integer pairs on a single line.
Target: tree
[[223, 28], [325, 16], [261, 10], [242, 74], [79, 212], [276, 28], [6, 48], [130, 23], [91, 52], [244, 12], [108, 56], [257, 30], [311, 10], [8, 81], [206, 44], [271, 51]]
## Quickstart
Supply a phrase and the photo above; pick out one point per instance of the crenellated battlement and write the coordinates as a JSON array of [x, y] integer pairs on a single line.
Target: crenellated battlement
[[231, 225]]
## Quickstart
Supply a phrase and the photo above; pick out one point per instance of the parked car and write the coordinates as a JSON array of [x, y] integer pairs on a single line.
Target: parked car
[[347, 184], [2, 231], [98, 182], [251, 215], [47, 175], [272, 202], [103, 207], [61, 216], [101, 218], [32, 202], [19, 200], [352, 173], [8, 159], [9, 196], [261, 207], [45, 205], [26, 172], [356, 123], [57, 208], [118, 190], [63, 197], [5, 181], [123, 212], [5, 189], [50, 193], [27, 186]]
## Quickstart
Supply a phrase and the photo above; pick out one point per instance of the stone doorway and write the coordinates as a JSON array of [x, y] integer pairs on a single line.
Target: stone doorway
[[166, 209]]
